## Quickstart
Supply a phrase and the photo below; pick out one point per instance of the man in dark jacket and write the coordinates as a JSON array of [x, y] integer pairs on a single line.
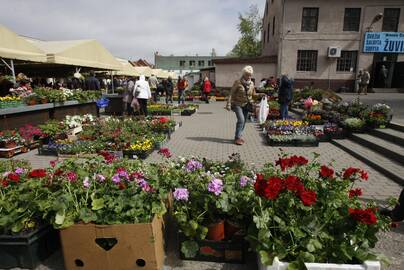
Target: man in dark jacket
[[5, 86], [285, 96], [92, 83], [169, 90]]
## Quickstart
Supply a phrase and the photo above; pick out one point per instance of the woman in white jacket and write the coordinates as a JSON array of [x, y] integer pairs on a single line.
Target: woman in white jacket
[[142, 93]]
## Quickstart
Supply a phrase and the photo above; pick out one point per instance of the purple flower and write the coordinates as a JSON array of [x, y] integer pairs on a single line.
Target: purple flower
[[216, 186], [86, 182], [193, 165], [145, 185], [19, 171], [181, 194], [100, 177], [244, 181], [72, 176], [116, 179], [123, 173]]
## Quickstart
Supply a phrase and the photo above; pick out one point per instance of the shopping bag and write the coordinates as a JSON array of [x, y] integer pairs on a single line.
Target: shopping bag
[[264, 111], [135, 104]]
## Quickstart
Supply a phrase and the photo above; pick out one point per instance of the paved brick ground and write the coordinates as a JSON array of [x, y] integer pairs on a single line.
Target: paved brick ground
[[209, 134]]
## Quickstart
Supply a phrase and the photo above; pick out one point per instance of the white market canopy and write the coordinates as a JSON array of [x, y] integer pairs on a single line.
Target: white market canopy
[[14, 47], [146, 71], [127, 69], [81, 53]]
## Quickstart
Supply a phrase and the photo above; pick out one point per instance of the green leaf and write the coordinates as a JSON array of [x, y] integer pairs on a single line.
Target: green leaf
[[265, 258], [189, 249], [310, 248], [60, 217], [97, 204], [87, 216], [17, 227], [294, 266]]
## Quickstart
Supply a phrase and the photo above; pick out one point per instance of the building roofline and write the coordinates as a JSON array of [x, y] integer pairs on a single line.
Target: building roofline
[[247, 60]]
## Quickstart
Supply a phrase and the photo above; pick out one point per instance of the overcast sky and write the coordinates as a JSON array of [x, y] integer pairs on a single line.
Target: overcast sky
[[132, 29]]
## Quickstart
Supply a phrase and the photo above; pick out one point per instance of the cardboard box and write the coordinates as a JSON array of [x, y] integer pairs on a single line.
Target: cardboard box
[[114, 247]]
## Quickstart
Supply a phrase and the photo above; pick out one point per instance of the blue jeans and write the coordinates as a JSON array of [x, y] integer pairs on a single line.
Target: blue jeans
[[284, 110], [181, 96], [241, 114]]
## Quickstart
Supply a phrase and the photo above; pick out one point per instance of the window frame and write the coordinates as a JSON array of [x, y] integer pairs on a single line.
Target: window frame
[[384, 24], [347, 27], [201, 61], [304, 23], [182, 63], [344, 64], [192, 63], [307, 66]]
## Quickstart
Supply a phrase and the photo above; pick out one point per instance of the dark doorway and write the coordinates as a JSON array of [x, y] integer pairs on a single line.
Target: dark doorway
[[387, 72]]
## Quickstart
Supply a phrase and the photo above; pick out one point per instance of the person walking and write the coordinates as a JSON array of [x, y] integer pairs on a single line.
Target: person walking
[[365, 79], [285, 96], [92, 83], [206, 89], [358, 82], [142, 93], [128, 96], [182, 85], [153, 82], [384, 74], [169, 90], [240, 101]]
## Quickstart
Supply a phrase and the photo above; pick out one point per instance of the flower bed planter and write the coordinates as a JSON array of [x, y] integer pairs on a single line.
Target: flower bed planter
[[234, 251], [28, 250], [368, 265], [292, 143], [136, 154], [107, 247], [8, 145]]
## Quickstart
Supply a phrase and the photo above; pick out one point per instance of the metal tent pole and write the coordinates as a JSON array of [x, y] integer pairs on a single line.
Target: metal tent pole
[[11, 67]]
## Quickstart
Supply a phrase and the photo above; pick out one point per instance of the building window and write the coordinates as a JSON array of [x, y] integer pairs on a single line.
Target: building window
[[268, 31], [352, 19], [182, 63], [391, 18], [310, 19], [347, 61], [273, 26], [192, 63], [265, 36], [306, 60], [201, 63], [210, 63]]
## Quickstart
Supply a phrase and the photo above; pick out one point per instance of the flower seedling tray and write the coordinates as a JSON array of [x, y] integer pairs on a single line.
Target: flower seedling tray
[[44, 150], [232, 251], [130, 154], [187, 112], [28, 250], [10, 152]]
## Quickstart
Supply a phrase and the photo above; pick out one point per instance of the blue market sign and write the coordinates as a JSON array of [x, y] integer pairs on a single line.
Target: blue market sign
[[384, 42]]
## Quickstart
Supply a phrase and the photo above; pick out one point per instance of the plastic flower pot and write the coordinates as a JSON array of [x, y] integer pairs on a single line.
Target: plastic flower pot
[[230, 229], [216, 231]]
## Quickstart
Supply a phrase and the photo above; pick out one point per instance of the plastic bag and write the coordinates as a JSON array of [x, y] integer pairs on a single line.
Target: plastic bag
[[264, 111], [102, 103], [135, 104]]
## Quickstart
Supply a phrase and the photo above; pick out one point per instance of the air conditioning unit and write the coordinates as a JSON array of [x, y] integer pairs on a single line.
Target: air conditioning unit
[[334, 52]]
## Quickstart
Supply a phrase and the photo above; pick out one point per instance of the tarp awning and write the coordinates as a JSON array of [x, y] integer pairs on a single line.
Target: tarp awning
[[127, 69], [12, 46], [146, 71], [82, 53]]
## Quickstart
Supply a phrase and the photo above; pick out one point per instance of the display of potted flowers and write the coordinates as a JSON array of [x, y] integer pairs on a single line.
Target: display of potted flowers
[[307, 212], [354, 124], [54, 130], [162, 125], [10, 102], [379, 115], [140, 149], [10, 139], [30, 133]]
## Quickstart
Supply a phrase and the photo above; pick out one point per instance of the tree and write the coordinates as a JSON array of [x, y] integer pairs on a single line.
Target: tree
[[250, 26]]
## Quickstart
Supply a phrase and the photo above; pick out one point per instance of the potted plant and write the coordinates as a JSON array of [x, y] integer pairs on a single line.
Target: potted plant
[[306, 212], [354, 124], [10, 139], [54, 130], [25, 235]]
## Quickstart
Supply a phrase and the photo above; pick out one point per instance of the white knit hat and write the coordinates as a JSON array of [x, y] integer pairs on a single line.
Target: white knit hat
[[248, 70]]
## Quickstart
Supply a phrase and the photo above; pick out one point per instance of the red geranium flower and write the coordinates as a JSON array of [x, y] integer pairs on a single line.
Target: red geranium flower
[[163, 120], [366, 216], [260, 185], [38, 173], [286, 163], [293, 183], [58, 172], [274, 187], [4, 183], [13, 177], [355, 193], [308, 197], [326, 172], [349, 172], [165, 152], [364, 175]]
